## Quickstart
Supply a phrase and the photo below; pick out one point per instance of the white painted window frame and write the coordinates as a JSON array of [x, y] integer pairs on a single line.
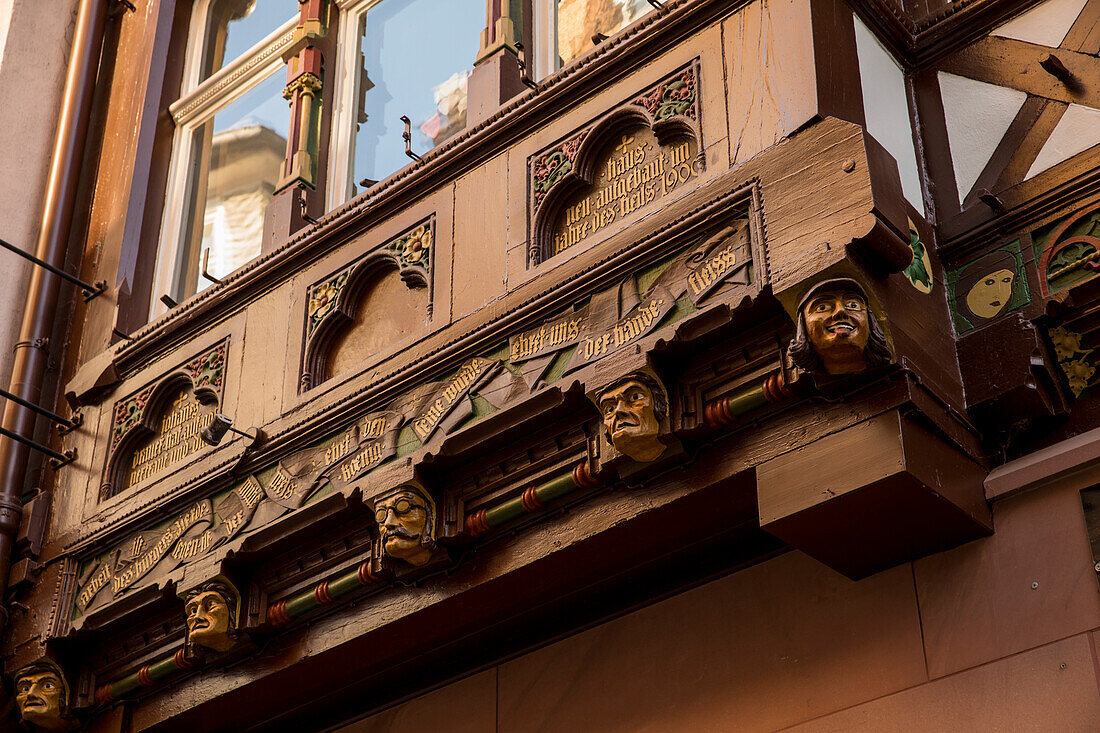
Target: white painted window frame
[[345, 95], [198, 103], [545, 29]]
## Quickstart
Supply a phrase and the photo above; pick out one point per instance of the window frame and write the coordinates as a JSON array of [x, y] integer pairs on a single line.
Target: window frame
[[198, 102], [345, 104]]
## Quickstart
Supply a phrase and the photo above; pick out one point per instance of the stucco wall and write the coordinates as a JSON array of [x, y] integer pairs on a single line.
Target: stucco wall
[[999, 634], [32, 75]]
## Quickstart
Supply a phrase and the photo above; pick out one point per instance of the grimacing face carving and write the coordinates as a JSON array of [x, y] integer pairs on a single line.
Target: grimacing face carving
[[406, 526], [210, 618], [40, 694], [837, 332], [632, 409]]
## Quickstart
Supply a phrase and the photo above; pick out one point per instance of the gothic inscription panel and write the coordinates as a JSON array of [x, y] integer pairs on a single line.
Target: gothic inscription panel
[[175, 437], [632, 173]]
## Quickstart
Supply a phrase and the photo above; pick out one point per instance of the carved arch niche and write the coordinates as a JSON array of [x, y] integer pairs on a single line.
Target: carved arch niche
[[634, 156], [159, 426], [360, 310]]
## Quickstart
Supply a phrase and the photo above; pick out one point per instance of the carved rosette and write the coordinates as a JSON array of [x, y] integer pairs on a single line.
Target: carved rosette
[[322, 299], [128, 413], [551, 166], [673, 97], [414, 249], [208, 370]]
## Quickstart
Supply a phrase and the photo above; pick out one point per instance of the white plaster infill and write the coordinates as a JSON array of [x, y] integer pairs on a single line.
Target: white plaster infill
[[977, 116], [1076, 132], [886, 107], [1046, 24], [1071, 463]]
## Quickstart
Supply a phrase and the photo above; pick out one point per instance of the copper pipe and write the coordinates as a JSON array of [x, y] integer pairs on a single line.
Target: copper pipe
[[31, 351]]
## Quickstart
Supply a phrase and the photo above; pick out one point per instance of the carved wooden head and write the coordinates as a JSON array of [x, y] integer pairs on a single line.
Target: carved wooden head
[[632, 409], [211, 616], [837, 333], [406, 522], [42, 695]]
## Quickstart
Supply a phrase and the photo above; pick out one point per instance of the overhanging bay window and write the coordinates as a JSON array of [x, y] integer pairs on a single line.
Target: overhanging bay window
[[399, 58], [230, 141]]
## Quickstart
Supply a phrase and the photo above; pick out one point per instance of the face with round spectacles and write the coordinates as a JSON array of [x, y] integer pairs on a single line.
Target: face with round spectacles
[[403, 522]]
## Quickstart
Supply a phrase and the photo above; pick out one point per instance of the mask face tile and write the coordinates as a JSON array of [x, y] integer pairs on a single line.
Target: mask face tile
[[991, 294]]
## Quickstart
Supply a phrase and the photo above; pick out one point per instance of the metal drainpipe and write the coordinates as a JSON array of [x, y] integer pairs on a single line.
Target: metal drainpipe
[[32, 349]]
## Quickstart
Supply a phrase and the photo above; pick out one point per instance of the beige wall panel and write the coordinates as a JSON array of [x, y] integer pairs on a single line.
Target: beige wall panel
[[265, 357], [761, 649], [770, 69], [440, 203], [32, 74], [1048, 689], [466, 706], [481, 235], [976, 601]]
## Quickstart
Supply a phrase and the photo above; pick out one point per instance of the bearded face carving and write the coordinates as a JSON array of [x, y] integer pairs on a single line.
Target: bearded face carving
[[406, 521], [632, 409]]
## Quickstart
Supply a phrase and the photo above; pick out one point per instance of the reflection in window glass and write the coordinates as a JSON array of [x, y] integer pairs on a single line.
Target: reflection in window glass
[[417, 55], [579, 20], [234, 26], [237, 163]]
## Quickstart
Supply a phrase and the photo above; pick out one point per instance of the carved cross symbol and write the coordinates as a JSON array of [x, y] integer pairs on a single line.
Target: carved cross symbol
[[627, 139]]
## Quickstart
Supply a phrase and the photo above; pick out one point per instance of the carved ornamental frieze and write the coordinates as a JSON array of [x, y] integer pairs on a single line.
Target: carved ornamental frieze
[[613, 169], [409, 498]]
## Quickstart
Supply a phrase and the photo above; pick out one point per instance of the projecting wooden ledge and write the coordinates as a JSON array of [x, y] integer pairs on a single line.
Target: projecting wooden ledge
[[881, 493]]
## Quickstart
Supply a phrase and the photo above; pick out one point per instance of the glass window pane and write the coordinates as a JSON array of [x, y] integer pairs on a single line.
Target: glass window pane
[[236, 162], [579, 20], [417, 54], [234, 26]]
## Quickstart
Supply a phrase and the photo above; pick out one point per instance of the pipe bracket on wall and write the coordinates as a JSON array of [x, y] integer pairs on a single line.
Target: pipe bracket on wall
[[90, 290]]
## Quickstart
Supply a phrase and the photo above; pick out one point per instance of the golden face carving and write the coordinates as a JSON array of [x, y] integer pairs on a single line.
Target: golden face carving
[[991, 294], [209, 621], [403, 519], [630, 418], [38, 695], [838, 328]]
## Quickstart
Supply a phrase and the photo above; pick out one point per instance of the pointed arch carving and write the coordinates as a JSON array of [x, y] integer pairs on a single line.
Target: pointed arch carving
[[332, 303], [135, 418], [556, 175]]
